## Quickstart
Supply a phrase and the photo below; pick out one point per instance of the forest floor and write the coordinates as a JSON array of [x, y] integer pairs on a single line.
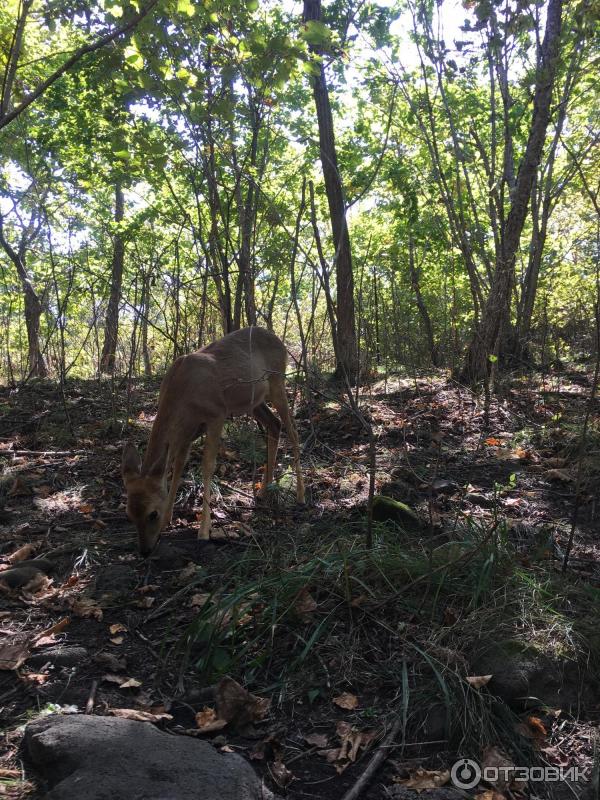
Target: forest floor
[[457, 626]]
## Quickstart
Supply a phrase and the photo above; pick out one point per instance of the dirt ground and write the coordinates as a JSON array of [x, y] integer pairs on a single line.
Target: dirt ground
[[288, 602]]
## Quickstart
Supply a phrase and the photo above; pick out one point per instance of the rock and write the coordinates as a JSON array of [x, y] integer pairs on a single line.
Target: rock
[[19, 576], [59, 656], [385, 508], [108, 758], [480, 500], [400, 490], [443, 486], [524, 676]]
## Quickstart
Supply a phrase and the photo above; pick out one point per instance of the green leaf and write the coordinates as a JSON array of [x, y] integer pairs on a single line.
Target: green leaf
[[186, 7], [316, 33]]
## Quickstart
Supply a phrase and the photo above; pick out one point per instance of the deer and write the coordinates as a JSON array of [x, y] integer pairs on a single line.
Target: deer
[[230, 377]]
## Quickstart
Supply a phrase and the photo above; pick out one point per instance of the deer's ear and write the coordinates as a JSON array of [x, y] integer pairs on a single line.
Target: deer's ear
[[131, 463], [159, 467]]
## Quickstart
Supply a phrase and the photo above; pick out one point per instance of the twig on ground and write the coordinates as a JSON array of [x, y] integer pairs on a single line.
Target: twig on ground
[[380, 756], [89, 706]]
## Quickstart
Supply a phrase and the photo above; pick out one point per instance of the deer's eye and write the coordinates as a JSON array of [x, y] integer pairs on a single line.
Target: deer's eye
[[153, 516]]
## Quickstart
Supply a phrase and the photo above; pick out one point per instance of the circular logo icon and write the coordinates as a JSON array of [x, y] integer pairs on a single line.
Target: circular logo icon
[[465, 773]]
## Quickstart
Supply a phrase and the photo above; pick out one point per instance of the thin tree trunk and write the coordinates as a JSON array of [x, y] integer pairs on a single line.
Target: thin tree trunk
[[111, 325], [36, 364], [144, 324], [347, 361], [425, 318], [497, 309]]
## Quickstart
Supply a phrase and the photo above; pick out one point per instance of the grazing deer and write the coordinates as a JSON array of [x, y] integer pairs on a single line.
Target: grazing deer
[[230, 377]]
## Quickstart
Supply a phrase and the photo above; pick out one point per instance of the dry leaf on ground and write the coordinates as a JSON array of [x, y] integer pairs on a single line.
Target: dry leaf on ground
[[140, 716], [86, 607], [305, 603], [477, 681], [495, 757], [346, 700], [48, 636], [117, 627], [423, 779], [281, 774], [23, 553], [236, 705], [13, 655], [317, 740], [207, 721]]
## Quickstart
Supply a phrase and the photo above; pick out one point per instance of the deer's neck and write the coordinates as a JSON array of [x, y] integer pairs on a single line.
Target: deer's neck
[[158, 443]]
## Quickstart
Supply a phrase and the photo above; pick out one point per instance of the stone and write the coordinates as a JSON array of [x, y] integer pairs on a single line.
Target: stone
[[386, 509], [108, 758], [59, 656], [524, 676]]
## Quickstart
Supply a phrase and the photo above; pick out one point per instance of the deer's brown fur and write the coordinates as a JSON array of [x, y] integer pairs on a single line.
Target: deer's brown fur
[[230, 377]]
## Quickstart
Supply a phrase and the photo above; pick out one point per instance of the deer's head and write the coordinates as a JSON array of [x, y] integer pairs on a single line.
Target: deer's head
[[146, 497]]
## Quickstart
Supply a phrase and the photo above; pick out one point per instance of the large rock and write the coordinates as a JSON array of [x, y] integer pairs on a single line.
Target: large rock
[[108, 758], [524, 676]]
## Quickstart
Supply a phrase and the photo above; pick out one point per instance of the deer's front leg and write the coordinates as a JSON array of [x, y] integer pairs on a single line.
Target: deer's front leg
[[211, 448], [179, 462]]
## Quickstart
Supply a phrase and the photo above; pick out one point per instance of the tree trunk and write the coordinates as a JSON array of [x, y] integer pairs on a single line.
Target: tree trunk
[[346, 319], [497, 309], [111, 326], [36, 364], [425, 317], [144, 323]]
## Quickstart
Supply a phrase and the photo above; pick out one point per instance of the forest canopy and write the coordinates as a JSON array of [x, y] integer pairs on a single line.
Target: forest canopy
[[405, 183]]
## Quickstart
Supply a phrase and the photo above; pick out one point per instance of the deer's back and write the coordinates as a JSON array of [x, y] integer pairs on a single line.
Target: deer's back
[[229, 376]]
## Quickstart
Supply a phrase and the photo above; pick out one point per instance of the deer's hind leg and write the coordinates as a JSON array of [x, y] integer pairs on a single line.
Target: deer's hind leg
[[267, 419], [209, 457], [278, 397]]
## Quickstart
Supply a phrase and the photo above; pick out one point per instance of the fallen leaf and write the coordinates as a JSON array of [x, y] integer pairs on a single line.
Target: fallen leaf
[[149, 587], [117, 627], [48, 636], [117, 640], [477, 681], [236, 705], [131, 683], [490, 794], [187, 573], [281, 774], [23, 553], [86, 508], [199, 599], [13, 655], [423, 779], [492, 441], [86, 607], [37, 678], [140, 716], [562, 475], [208, 721], [346, 700], [305, 602], [317, 740], [145, 602], [495, 757]]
